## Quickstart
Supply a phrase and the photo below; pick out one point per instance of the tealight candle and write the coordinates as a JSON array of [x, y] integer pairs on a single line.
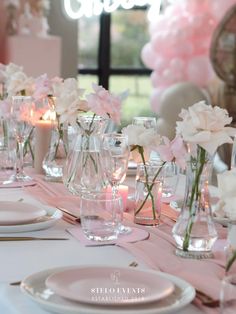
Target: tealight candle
[[43, 130], [123, 191]]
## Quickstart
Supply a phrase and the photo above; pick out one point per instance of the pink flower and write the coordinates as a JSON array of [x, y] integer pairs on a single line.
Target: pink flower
[[174, 150], [44, 86], [105, 104]]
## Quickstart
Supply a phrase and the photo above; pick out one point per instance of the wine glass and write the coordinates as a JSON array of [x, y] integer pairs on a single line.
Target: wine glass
[[115, 161], [20, 121]]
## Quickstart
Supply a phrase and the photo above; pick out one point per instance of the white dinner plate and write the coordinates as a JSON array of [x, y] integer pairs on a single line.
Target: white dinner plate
[[117, 286], [14, 213], [49, 219], [34, 287]]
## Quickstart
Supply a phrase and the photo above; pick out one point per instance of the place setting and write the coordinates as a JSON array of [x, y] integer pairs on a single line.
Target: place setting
[[19, 216], [99, 289]]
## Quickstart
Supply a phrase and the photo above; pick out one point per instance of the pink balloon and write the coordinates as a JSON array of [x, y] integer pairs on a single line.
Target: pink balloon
[[177, 64], [148, 56], [160, 63], [159, 25], [201, 47], [200, 71], [203, 25], [184, 50], [195, 6], [219, 8], [159, 41], [156, 78]]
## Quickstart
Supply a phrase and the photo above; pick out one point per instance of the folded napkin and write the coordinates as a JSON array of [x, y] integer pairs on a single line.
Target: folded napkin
[[137, 234]]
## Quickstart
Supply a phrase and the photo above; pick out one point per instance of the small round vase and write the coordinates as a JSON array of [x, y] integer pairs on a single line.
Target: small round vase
[[148, 193]]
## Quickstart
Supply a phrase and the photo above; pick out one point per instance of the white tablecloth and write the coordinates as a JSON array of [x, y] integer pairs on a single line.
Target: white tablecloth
[[20, 259]]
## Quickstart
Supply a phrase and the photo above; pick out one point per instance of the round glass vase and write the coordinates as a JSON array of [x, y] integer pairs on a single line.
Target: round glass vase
[[148, 193], [83, 171], [54, 160], [194, 231]]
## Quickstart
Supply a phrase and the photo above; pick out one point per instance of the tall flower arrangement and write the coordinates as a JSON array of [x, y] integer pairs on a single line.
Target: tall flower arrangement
[[204, 128]]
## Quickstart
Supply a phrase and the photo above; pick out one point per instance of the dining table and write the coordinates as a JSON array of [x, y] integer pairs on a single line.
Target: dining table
[[20, 259]]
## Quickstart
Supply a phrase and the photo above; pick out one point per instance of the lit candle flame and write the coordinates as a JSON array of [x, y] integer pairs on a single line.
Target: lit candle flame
[[49, 115]]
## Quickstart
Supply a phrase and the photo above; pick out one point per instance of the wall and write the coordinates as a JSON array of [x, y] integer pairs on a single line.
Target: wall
[[67, 29]]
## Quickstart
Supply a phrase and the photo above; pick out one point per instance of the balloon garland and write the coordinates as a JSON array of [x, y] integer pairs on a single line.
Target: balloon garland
[[180, 38]]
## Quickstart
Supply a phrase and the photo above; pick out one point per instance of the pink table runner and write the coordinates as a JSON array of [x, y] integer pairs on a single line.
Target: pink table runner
[[158, 251]]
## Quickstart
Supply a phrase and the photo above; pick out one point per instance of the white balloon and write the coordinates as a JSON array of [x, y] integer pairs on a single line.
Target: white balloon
[[178, 96], [165, 128]]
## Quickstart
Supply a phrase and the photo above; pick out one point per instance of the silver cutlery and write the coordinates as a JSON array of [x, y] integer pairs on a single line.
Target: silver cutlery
[[68, 214]]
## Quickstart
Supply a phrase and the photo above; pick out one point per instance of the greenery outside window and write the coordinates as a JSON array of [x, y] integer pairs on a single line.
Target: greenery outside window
[[109, 54]]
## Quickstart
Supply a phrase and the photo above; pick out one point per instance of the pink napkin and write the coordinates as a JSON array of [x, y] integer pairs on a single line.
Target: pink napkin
[[137, 234], [54, 194]]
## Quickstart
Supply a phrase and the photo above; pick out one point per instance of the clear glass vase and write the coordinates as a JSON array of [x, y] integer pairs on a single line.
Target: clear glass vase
[[194, 231], [148, 193], [54, 160], [83, 171]]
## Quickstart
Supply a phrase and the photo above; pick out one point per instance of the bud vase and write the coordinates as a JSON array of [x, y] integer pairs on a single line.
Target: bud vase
[[83, 171], [194, 231], [148, 193], [53, 162]]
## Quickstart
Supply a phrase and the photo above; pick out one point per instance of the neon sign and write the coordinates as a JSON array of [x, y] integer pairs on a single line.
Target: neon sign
[[75, 9]]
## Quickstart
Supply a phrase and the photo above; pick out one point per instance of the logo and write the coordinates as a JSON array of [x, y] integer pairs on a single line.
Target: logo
[[116, 291], [115, 276]]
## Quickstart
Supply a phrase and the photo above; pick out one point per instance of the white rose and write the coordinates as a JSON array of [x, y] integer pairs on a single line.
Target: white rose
[[11, 69], [205, 125], [20, 82], [139, 135], [68, 100]]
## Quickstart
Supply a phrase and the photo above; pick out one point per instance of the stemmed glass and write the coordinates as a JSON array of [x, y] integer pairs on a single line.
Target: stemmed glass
[[115, 161], [20, 120]]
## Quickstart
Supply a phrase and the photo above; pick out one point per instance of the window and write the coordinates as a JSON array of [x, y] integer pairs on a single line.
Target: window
[[109, 53]]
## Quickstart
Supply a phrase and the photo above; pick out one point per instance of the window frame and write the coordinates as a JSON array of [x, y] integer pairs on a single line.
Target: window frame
[[104, 69]]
